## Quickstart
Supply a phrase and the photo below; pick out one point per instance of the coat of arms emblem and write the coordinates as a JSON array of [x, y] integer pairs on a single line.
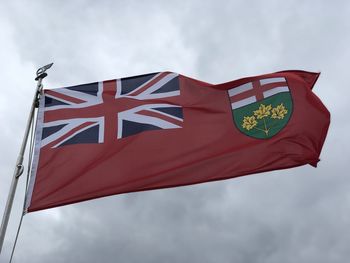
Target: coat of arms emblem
[[261, 108]]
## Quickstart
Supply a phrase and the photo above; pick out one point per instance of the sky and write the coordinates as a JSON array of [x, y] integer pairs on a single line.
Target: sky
[[294, 215]]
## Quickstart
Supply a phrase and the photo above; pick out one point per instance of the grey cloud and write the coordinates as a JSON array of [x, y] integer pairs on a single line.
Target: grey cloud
[[296, 215]]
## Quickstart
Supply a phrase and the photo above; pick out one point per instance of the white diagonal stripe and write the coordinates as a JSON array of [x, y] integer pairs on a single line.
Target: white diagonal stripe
[[147, 94], [132, 115], [272, 80], [75, 133], [274, 91], [168, 115], [243, 102], [89, 100], [159, 84], [144, 84], [240, 89], [70, 124], [119, 87]]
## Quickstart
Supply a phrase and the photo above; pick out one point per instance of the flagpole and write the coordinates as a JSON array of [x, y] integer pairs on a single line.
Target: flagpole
[[41, 74]]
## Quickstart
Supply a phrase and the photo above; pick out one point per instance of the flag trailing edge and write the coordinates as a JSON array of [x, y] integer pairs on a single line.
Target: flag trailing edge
[[164, 130]]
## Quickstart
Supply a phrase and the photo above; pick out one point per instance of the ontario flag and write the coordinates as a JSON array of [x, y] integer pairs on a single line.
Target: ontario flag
[[164, 130]]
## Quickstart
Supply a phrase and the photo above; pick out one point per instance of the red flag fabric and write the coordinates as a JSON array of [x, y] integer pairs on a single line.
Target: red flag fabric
[[164, 130]]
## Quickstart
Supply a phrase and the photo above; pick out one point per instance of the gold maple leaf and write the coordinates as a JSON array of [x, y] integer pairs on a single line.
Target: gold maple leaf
[[263, 111], [249, 122], [279, 112]]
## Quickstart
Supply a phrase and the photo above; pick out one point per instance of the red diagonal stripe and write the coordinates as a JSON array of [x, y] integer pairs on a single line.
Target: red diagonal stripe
[[71, 132], [148, 85], [160, 116], [63, 97]]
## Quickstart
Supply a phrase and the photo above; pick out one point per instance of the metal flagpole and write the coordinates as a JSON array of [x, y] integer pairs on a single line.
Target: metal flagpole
[[40, 75]]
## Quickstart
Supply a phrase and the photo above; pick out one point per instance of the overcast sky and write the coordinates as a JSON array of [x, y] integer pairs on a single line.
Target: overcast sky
[[296, 215]]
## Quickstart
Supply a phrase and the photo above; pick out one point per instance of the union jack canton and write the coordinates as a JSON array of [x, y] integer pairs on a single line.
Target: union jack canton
[[110, 110]]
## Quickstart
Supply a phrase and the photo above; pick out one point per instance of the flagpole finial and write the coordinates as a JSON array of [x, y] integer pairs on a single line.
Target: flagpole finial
[[41, 72]]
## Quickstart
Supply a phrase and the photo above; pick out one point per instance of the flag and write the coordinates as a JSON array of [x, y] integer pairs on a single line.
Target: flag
[[164, 130]]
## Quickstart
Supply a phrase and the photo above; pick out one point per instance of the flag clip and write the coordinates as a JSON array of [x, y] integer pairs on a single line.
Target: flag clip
[[20, 169]]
